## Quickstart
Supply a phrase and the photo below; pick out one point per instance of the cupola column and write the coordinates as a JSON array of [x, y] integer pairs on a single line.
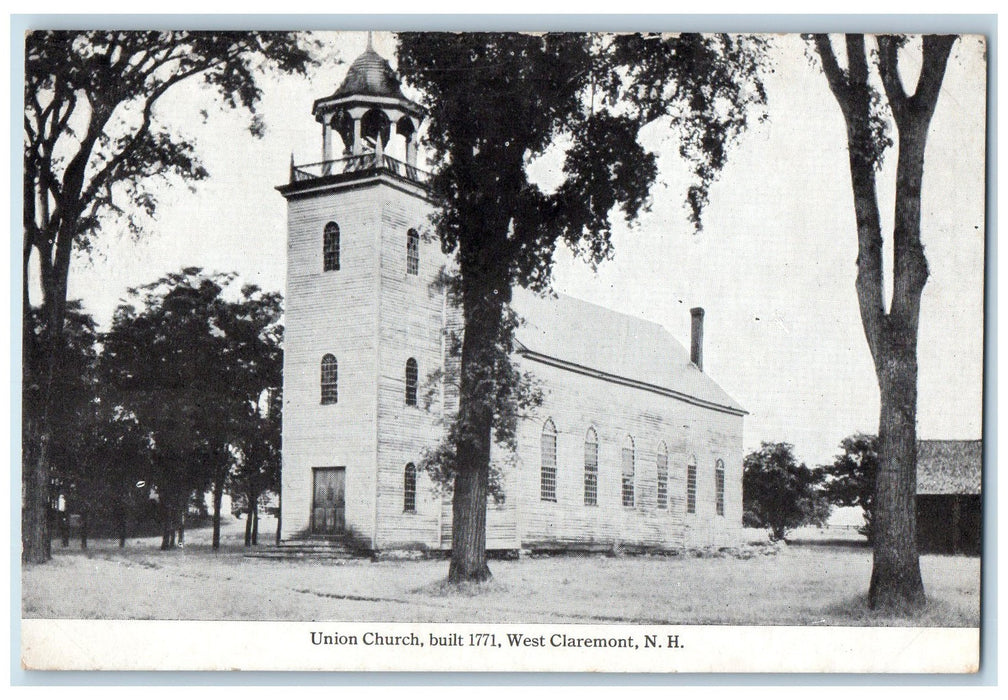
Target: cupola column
[[379, 148], [327, 155], [358, 146], [411, 149]]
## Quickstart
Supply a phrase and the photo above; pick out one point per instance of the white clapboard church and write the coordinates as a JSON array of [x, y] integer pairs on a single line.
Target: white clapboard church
[[634, 445]]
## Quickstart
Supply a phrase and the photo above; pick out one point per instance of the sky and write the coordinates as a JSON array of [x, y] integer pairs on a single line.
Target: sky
[[774, 266]]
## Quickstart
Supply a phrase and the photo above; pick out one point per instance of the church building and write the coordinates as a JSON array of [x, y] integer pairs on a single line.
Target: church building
[[634, 445]]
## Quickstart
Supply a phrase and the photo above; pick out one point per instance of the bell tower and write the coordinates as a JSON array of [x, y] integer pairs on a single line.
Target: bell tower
[[368, 112], [359, 312]]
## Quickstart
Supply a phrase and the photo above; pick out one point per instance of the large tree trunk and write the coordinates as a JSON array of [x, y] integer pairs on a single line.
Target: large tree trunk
[[892, 336], [39, 367], [896, 577], [469, 506], [482, 307], [36, 546]]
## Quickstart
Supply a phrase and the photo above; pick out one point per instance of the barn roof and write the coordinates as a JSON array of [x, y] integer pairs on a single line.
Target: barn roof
[[948, 466], [587, 337]]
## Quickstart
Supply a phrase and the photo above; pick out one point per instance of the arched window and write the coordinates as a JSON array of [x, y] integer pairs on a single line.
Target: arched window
[[691, 485], [628, 472], [412, 252], [547, 479], [329, 379], [409, 489], [330, 247], [411, 382], [591, 468], [662, 476], [719, 486]]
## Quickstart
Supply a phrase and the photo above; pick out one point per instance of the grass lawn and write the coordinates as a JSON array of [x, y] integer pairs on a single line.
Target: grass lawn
[[806, 584]]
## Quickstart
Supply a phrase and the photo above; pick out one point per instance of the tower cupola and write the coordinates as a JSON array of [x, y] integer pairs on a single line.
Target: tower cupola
[[367, 111]]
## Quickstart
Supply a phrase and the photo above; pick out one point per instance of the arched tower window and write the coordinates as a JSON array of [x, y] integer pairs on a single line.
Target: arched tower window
[[691, 485], [329, 379], [662, 476], [412, 252], [409, 489], [330, 247], [411, 382], [719, 486], [591, 468], [628, 472], [548, 473]]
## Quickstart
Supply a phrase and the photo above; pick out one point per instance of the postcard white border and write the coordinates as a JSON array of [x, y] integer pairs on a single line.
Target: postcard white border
[[134, 645]]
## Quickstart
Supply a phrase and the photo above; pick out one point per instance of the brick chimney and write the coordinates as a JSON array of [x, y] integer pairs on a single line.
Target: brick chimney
[[696, 337]]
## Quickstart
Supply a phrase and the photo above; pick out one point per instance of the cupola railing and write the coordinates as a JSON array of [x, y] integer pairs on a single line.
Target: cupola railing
[[362, 163]]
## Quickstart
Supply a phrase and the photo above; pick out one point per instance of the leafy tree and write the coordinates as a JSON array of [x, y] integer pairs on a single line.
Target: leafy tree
[[93, 146], [851, 477], [254, 365], [496, 102], [119, 460], [257, 468], [75, 381], [780, 494], [892, 335], [166, 362], [192, 367], [518, 394]]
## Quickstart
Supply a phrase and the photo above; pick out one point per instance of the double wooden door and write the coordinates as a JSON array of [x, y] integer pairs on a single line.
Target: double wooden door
[[329, 501]]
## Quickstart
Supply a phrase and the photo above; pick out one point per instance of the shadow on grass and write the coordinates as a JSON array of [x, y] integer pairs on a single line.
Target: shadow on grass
[[934, 613], [443, 589], [830, 542]]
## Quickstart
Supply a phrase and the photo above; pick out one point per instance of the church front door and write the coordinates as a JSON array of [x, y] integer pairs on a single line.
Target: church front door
[[328, 501]]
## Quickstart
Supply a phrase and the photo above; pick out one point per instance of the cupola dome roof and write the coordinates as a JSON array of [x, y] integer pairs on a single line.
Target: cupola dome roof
[[370, 75], [370, 82]]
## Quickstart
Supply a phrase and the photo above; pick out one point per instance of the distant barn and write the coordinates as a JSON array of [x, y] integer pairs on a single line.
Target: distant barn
[[948, 496]]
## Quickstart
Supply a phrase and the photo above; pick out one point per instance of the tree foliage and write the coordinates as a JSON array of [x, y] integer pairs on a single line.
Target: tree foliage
[[498, 102], [780, 494], [516, 395], [851, 478], [191, 367], [93, 146]]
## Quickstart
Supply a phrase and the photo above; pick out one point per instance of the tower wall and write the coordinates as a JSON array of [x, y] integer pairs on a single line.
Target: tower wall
[[331, 312], [410, 321]]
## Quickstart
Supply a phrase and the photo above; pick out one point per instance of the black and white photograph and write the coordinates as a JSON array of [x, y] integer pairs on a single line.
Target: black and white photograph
[[443, 350]]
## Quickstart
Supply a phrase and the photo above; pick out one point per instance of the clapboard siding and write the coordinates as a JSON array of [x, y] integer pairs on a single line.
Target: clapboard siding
[[331, 312], [576, 402], [373, 316], [410, 311]]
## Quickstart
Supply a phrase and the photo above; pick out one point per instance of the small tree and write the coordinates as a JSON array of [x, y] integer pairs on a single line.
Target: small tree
[[168, 365], [252, 363], [851, 477], [780, 494]]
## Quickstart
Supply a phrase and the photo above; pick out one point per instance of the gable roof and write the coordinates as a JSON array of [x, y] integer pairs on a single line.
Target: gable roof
[[614, 346], [949, 466]]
